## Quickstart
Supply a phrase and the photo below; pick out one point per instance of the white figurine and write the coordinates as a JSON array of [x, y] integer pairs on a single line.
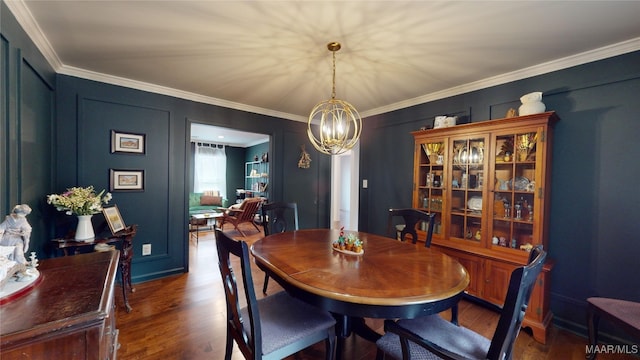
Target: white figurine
[[34, 261], [31, 272], [16, 231]]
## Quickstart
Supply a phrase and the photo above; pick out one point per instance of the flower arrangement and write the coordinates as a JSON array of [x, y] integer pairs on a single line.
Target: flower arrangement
[[349, 243], [79, 201]]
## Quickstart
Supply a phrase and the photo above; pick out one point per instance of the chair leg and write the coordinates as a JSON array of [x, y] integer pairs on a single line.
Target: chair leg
[[266, 283], [592, 322], [229, 346], [238, 229], [330, 345]]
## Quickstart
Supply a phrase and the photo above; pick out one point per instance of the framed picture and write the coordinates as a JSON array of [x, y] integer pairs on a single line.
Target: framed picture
[[122, 142], [126, 180], [114, 219]]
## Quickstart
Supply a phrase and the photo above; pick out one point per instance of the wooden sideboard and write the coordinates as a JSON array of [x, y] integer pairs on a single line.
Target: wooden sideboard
[[68, 315]]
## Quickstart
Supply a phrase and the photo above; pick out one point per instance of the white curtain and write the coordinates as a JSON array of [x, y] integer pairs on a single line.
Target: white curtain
[[210, 169]]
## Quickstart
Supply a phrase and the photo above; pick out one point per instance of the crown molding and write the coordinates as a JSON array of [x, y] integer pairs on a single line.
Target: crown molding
[[163, 90], [540, 69], [31, 27]]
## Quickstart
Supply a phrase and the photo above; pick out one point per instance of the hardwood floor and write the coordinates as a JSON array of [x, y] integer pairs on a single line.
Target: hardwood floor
[[183, 317]]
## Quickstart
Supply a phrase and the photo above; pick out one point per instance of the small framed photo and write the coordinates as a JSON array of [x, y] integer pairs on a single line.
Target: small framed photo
[[122, 142], [114, 219], [126, 180]]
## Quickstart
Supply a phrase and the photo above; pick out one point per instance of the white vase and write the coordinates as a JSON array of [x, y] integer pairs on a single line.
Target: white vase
[[84, 231], [531, 104]]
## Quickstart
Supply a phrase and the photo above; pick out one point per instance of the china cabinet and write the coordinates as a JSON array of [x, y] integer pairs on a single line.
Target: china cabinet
[[489, 184]]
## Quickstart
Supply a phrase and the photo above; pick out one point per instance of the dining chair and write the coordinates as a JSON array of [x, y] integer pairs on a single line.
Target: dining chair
[[432, 337], [274, 220], [245, 213], [273, 327], [623, 313], [411, 218], [275, 216]]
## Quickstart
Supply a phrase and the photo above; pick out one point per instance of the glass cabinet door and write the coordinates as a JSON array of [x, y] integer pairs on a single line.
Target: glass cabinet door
[[467, 184], [514, 185], [430, 182]]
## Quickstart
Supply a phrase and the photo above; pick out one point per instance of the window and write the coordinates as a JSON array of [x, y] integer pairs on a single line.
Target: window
[[210, 168]]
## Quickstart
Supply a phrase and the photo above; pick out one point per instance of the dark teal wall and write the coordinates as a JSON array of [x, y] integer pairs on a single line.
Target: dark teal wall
[[88, 111], [256, 150], [236, 157], [27, 108], [595, 207]]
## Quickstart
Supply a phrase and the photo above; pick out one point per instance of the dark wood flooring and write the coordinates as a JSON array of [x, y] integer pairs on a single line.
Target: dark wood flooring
[[183, 317]]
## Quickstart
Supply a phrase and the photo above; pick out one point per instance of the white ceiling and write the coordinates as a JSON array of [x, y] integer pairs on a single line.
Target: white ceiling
[[270, 57], [225, 136]]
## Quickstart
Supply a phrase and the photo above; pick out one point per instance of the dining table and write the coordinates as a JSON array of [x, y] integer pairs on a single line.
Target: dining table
[[388, 279]]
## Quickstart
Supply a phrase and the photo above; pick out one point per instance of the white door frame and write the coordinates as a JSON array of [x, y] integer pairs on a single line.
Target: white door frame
[[345, 167]]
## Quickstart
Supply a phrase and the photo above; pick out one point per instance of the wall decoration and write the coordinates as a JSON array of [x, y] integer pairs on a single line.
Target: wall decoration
[[114, 219], [305, 158], [122, 142], [126, 180]]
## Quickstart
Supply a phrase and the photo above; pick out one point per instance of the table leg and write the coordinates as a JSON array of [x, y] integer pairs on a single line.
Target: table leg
[[346, 325], [194, 229], [125, 272], [343, 330], [124, 288]]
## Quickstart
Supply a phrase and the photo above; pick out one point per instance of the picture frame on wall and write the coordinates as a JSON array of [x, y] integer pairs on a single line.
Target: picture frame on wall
[[126, 180], [125, 142], [114, 219]]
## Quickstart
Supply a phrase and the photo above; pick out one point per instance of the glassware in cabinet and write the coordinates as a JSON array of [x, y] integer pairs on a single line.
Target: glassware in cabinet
[[467, 184], [514, 190], [430, 180]]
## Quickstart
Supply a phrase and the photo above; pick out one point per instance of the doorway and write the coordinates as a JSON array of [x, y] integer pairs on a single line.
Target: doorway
[[345, 175], [240, 147]]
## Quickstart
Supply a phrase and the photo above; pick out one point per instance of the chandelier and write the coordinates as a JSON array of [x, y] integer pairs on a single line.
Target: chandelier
[[339, 122]]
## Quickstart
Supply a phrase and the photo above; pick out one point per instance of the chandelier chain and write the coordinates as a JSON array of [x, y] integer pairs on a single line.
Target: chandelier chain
[[333, 89]]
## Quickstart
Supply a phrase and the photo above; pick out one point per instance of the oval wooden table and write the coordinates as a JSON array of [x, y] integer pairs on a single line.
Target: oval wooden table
[[391, 279]]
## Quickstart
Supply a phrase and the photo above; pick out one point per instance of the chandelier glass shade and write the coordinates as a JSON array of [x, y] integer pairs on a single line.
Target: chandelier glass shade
[[339, 123]]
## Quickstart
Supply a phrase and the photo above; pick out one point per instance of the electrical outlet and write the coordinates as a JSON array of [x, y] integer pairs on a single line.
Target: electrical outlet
[[146, 249]]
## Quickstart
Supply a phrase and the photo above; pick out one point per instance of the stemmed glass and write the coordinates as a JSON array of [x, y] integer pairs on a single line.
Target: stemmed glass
[[518, 207]]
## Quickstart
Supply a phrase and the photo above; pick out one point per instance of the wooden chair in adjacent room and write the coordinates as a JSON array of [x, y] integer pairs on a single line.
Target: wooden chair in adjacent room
[[245, 213], [273, 327], [432, 337], [622, 313], [411, 218], [274, 219]]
